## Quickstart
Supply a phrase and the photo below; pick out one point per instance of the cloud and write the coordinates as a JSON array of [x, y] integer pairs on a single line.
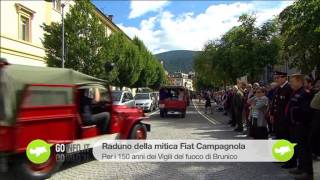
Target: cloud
[[167, 31], [139, 8]]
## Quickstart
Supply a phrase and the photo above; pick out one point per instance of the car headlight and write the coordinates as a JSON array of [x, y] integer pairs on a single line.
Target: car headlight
[[147, 104]]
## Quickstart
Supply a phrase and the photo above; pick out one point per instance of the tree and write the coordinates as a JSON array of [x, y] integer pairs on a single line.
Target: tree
[[84, 41], [160, 77], [148, 72], [300, 30], [243, 50], [127, 59]]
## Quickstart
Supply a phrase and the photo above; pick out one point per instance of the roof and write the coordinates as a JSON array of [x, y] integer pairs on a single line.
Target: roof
[[14, 79], [107, 20], [47, 75]]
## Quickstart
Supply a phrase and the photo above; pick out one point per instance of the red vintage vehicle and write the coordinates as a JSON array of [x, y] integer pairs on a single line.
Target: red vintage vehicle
[[43, 103], [173, 99]]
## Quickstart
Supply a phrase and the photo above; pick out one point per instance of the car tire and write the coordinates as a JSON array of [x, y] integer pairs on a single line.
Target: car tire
[[139, 131], [183, 114], [30, 171]]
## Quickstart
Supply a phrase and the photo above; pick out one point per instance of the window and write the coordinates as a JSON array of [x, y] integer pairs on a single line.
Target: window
[[24, 28], [129, 95], [56, 4], [48, 96], [104, 95], [142, 96], [116, 95], [25, 16]]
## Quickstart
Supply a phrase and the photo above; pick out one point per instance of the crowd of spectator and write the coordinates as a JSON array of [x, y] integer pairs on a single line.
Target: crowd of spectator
[[288, 108]]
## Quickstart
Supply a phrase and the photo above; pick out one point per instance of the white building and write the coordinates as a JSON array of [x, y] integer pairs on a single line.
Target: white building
[[21, 31]]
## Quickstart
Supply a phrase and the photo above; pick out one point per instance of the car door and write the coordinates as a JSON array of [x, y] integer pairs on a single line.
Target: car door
[[124, 99], [47, 112], [131, 102]]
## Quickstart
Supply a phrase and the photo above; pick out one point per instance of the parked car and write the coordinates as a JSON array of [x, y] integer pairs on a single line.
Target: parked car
[[123, 98], [173, 99], [145, 101], [44, 103]]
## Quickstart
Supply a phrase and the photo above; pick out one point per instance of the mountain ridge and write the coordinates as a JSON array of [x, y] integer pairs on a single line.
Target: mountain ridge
[[177, 60]]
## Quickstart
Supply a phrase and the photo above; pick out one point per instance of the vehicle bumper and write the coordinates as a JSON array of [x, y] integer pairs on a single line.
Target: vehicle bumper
[[172, 110], [145, 108]]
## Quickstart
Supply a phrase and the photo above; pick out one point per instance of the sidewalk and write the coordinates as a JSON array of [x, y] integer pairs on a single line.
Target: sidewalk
[[223, 123]]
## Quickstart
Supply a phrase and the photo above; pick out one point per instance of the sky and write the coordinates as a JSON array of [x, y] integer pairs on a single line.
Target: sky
[[184, 25]]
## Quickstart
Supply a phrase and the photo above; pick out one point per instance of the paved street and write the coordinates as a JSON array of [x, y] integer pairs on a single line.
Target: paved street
[[194, 126]]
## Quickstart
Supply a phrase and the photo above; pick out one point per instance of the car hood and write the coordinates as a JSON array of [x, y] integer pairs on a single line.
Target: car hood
[[117, 103], [142, 101]]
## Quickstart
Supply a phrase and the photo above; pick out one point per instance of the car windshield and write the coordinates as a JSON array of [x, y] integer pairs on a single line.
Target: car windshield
[[142, 96], [116, 96]]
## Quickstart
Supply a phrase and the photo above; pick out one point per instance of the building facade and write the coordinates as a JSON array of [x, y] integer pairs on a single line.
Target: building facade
[[181, 79], [21, 31]]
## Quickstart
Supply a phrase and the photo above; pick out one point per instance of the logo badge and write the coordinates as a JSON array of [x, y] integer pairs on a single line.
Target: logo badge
[[283, 150], [38, 151]]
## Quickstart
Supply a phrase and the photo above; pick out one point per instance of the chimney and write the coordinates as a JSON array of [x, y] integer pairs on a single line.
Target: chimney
[[110, 17]]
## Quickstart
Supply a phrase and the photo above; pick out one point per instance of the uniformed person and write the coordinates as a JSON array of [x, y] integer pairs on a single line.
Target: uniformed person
[[279, 102], [299, 114]]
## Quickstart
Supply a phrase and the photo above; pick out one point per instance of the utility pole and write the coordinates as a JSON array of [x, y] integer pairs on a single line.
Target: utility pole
[[62, 20]]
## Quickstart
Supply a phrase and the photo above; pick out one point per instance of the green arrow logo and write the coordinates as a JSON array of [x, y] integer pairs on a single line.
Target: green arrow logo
[[283, 150], [38, 151]]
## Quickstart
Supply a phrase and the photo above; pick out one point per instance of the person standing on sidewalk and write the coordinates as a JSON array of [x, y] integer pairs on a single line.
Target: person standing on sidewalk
[[278, 105], [315, 135], [277, 112], [259, 104], [233, 107], [207, 103], [299, 114], [230, 107], [238, 106], [270, 95]]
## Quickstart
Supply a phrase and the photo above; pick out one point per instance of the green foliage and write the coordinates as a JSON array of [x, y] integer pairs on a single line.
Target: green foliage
[[301, 36], [126, 57], [148, 73], [84, 39], [293, 37], [88, 49], [243, 50]]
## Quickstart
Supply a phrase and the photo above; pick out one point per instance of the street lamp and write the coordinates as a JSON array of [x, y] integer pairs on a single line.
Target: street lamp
[[62, 19]]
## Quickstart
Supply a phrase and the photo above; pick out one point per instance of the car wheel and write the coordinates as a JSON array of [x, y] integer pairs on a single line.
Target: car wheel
[[30, 171], [183, 114], [139, 131]]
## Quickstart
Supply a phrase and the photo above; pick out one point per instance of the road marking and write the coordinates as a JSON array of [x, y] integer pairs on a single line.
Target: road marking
[[213, 122]]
